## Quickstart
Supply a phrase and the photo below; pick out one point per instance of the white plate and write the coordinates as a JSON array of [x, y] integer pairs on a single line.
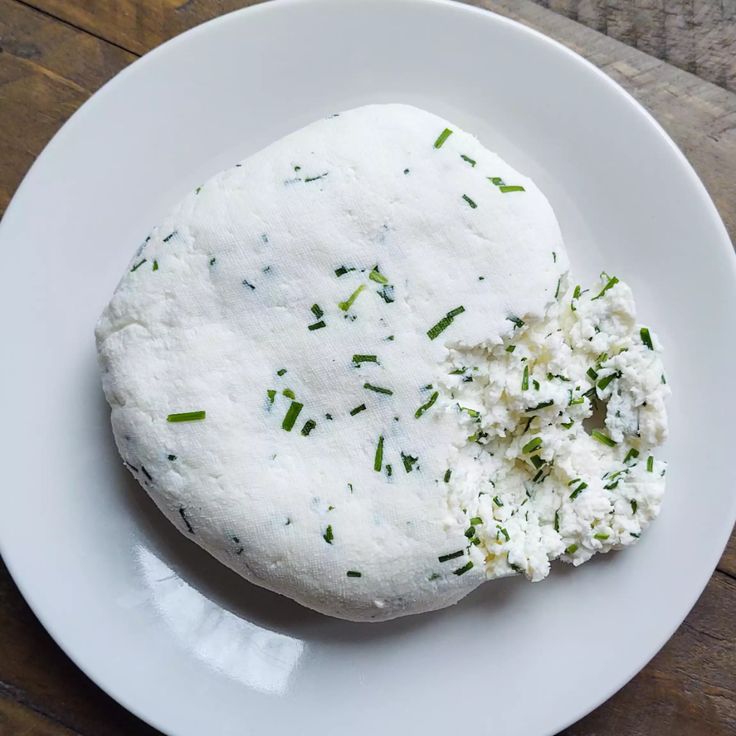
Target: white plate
[[163, 628]]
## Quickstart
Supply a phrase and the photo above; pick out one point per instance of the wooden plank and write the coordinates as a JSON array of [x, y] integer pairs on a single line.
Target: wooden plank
[[135, 25], [698, 36], [17, 720], [47, 70]]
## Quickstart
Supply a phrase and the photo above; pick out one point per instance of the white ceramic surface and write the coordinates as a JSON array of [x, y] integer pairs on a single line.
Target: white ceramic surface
[[166, 630]]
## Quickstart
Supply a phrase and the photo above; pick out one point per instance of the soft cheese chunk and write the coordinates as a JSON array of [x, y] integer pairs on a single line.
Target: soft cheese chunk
[[276, 359]]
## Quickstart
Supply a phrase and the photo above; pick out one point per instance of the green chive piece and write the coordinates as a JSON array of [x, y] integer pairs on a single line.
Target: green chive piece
[[525, 379], [470, 412], [187, 416], [557, 520], [532, 445], [354, 574], [349, 302], [155, 266], [309, 425], [510, 348], [578, 400], [475, 520], [578, 491], [292, 413], [497, 180], [314, 178], [557, 290], [448, 475], [377, 276], [591, 374], [650, 464], [317, 311], [634, 505], [511, 188], [317, 325], [328, 536], [213, 261], [443, 136], [358, 359], [607, 379], [601, 536], [517, 322], [646, 338], [504, 532], [632, 454], [423, 408], [663, 379], [604, 439], [138, 265], [497, 501], [571, 549], [288, 393], [467, 159], [281, 371], [378, 459], [444, 323], [609, 285], [409, 462], [472, 204], [271, 393], [451, 556], [342, 270], [462, 570], [357, 410], [567, 425], [378, 389]]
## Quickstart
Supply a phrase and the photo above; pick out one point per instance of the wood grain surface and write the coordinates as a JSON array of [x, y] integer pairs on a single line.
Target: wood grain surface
[[55, 53]]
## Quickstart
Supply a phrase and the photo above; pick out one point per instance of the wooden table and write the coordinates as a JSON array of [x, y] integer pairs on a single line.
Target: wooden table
[[55, 53]]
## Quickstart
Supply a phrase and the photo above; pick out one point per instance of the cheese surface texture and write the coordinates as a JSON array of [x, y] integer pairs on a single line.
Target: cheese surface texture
[[309, 371]]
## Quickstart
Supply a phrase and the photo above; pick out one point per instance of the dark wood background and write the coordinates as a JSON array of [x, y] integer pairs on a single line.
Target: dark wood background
[[55, 53]]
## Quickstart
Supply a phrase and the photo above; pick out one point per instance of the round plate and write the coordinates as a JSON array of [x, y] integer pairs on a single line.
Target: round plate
[[167, 631]]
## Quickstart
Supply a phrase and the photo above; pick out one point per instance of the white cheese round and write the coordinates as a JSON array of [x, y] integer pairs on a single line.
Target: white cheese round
[[276, 358]]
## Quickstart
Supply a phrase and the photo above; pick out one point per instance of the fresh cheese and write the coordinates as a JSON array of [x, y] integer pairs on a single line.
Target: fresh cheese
[[286, 354]]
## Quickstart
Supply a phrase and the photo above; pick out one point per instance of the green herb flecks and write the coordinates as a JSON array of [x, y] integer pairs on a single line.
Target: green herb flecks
[[451, 556], [612, 281], [632, 454], [138, 265], [427, 405], [571, 550], [506, 188], [291, 415], [360, 358], [169, 236], [601, 536], [498, 501], [557, 520], [155, 266], [472, 204], [604, 439], [357, 410], [634, 505], [187, 416], [377, 276], [315, 178], [525, 379], [378, 458], [442, 137], [468, 160], [448, 475], [462, 570], [309, 425], [510, 348], [316, 326], [354, 574], [281, 372], [646, 337], [444, 323], [503, 531], [409, 462], [349, 301], [342, 270], [577, 491], [289, 393], [532, 445], [607, 379], [328, 536], [317, 311], [378, 389], [650, 464], [476, 520]]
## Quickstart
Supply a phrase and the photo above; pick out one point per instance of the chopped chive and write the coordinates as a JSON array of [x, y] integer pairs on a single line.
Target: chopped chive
[[357, 410], [288, 393], [443, 136], [578, 400], [535, 383], [451, 556], [557, 520], [448, 475], [378, 389], [609, 285], [567, 425], [430, 402], [171, 457], [317, 311], [349, 301], [354, 574], [663, 379], [409, 462], [213, 261], [309, 425], [532, 445], [511, 188], [281, 371], [525, 379], [536, 461], [249, 285], [316, 326], [542, 405], [634, 505], [571, 549], [497, 180], [462, 570], [510, 348], [557, 290], [604, 439], [497, 501], [635, 535], [469, 201], [650, 464], [377, 276], [358, 359], [292, 413], [554, 257], [169, 236], [467, 159], [444, 323], [378, 459], [138, 265], [470, 412], [271, 393], [601, 536], [183, 515], [328, 536], [187, 416], [342, 270], [517, 322], [314, 178], [632, 454], [475, 520], [591, 374], [607, 379], [155, 265], [504, 532], [578, 491], [646, 338], [389, 470]]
